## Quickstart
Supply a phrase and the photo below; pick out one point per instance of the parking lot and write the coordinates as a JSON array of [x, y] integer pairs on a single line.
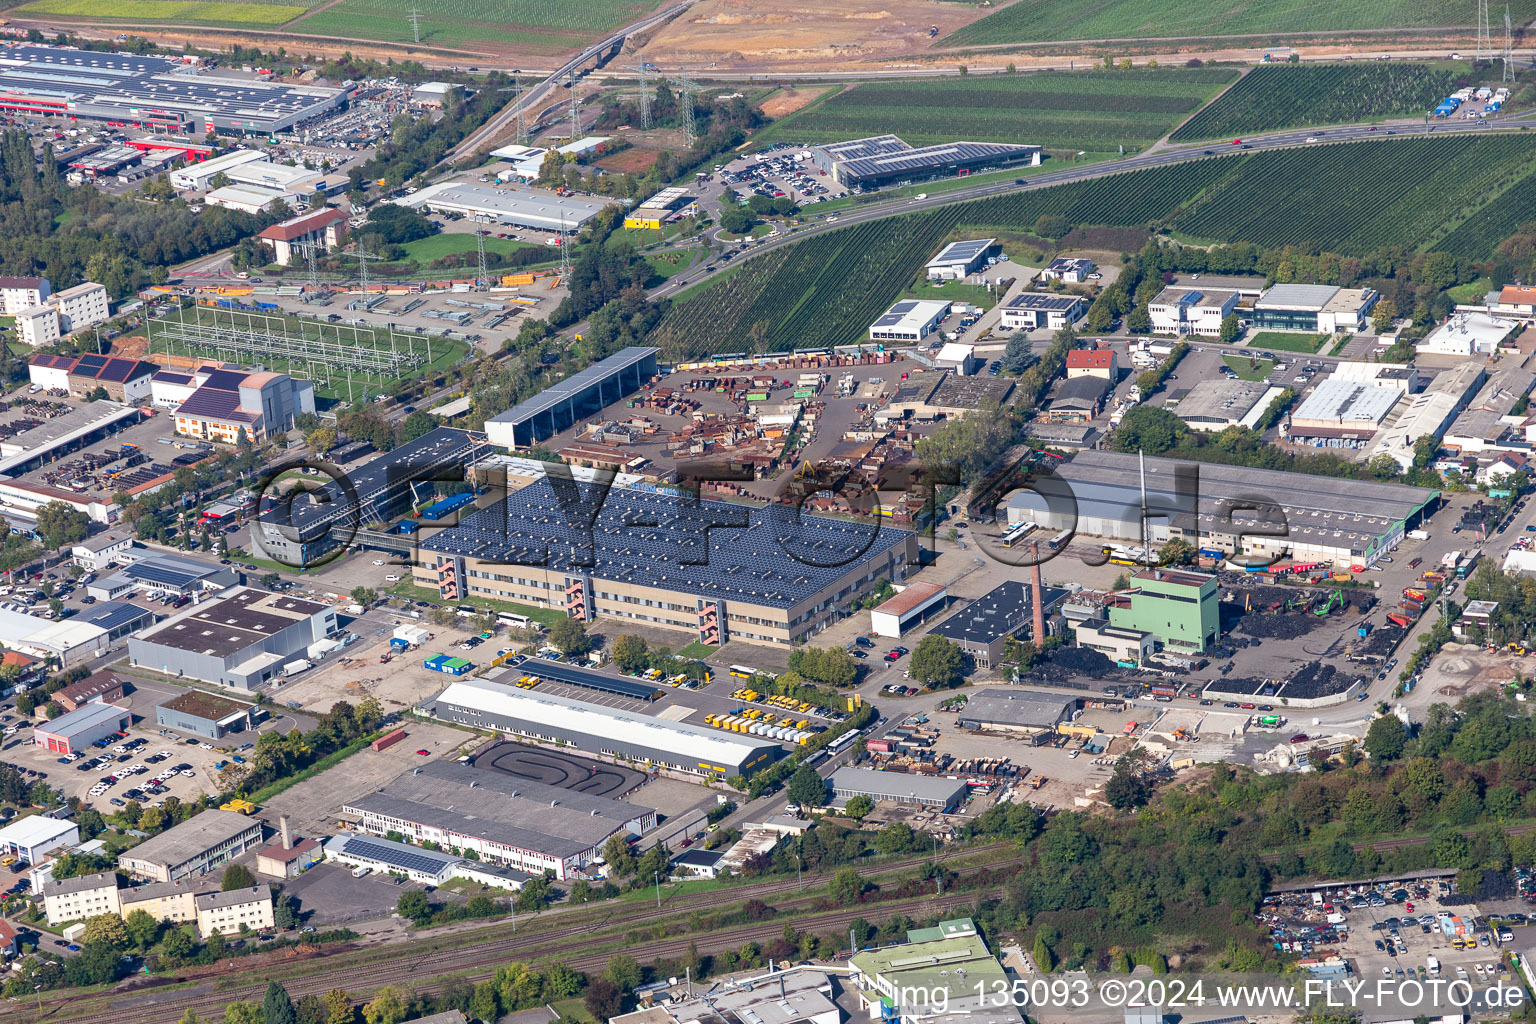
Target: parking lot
[[194, 777]]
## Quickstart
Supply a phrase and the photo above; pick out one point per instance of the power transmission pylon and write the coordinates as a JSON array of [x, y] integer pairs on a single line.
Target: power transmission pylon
[[1509, 68], [484, 280], [308, 249], [522, 117], [362, 256], [1484, 38], [686, 88], [645, 95], [565, 251], [576, 106], [415, 20]]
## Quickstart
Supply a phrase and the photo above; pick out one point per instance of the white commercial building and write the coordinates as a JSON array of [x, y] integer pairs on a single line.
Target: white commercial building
[[34, 837], [914, 603], [524, 208], [1031, 310], [29, 498], [1425, 415], [910, 320], [1214, 405], [958, 260], [1067, 269], [83, 306], [1343, 409], [1468, 334], [429, 867], [19, 293], [250, 199], [195, 177], [1199, 311], [1314, 308], [957, 357], [598, 729], [38, 326]]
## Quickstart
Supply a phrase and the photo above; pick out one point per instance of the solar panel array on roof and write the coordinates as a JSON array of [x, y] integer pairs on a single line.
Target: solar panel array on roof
[[893, 315], [156, 571], [772, 556], [570, 675], [224, 380], [409, 860], [962, 252]]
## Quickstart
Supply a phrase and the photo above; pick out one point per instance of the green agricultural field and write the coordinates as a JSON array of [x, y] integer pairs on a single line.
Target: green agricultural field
[[1461, 195], [1284, 341], [181, 12], [1043, 20], [1303, 95], [1096, 111], [527, 25]]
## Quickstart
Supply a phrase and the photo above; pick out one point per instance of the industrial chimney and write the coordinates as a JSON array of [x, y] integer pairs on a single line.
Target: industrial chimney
[[1037, 595], [282, 828]]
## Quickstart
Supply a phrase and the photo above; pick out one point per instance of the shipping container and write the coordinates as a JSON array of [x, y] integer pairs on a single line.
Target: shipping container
[[387, 740]]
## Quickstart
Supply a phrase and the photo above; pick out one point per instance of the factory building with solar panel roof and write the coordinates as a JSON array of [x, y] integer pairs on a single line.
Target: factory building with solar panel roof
[[300, 532], [163, 576], [715, 570], [887, 160]]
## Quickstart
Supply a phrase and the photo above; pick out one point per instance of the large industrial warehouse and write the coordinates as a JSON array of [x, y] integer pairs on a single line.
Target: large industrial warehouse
[[522, 824], [718, 571], [301, 532], [1327, 519], [582, 394], [886, 159], [495, 703], [240, 639], [153, 92], [1014, 710], [539, 211]]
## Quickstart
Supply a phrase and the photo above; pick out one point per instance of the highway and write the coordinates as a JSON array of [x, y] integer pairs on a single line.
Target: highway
[[1159, 156], [532, 96]]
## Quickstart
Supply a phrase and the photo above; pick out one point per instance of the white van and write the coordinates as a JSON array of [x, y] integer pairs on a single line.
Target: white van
[[361, 870]]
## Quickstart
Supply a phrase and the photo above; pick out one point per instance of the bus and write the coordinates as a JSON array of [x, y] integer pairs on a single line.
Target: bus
[[1060, 539], [842, 743], [513, 620], [815, 759], [1122, 559], [747, 672], [1017, 534]]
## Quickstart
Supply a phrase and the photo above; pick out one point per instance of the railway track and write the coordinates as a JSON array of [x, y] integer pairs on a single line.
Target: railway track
[[476, 963], [441, 955]]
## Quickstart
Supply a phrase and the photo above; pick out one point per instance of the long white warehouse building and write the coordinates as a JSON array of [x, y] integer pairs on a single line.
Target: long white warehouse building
[[494, 703]]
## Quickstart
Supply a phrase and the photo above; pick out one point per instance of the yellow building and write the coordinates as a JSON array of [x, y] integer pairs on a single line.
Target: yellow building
[[654, 212]]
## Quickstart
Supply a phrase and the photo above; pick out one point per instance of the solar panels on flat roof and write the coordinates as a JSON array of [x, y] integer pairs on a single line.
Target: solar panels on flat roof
[[962, 252], [407, 859], [573, 385], [158, 571], [1043, 300], [572, 676]]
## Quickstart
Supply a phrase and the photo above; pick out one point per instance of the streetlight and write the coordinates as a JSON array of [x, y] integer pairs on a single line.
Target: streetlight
[[798, 879], [657, 875]]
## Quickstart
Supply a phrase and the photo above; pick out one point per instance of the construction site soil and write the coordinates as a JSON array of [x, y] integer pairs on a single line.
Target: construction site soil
[[1318, 680], [1261, 611], [1077, 667]]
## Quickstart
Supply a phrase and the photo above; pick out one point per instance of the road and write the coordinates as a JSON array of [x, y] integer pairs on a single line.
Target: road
[[482, 136]]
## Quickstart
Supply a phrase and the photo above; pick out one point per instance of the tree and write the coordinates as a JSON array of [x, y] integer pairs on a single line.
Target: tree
[[1385, 739], [177, 945], [1052, 226], [482, 1004], [858, 806], [365, 596], [58, 524], [242, 1012], [1177, 551], [807, 788], [736, 220], [1231, 327], [630, 653], [108, 929], [620, 858], [338, 1007], [846, 887], [569, 637], [1424, 451], [937, 662], [143, 929], [417, 424], [624, 971], [388, 1007], [1044, 958], [285, 912], [414, 906], [603, 1000], [1139, 320], [1126, 789], [1383, 316], [276, 1006], [1017, 355], [236, 876]]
